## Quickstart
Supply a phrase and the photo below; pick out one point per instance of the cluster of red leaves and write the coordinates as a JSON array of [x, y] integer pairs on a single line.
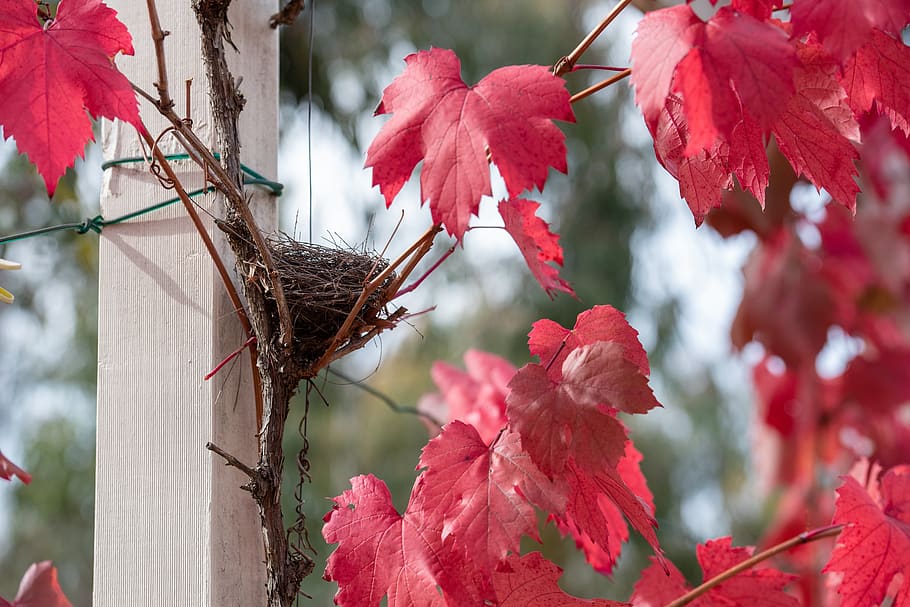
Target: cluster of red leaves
[[52, 73], [713, 92], [545, 436], [457, 131], [39, 588]]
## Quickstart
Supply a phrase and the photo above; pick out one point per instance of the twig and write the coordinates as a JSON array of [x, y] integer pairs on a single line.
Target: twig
[[162, 161], [230, 460], [567, 63], [287, 15], [229, 358], [416, 283], [802, 538], [158, 36], [600, 86], [230, 184], [391, 404]]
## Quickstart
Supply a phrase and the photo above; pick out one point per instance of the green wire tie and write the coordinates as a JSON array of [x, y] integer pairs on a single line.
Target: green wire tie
[[98, 222]]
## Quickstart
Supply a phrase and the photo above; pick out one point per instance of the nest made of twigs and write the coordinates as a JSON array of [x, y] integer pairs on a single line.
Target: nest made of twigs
[[321, 286]]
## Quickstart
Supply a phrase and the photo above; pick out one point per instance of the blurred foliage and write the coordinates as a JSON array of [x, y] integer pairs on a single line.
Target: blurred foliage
[[606, 200], [47, 371]]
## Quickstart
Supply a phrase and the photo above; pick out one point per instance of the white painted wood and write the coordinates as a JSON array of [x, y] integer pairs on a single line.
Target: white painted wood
[[171, 526]]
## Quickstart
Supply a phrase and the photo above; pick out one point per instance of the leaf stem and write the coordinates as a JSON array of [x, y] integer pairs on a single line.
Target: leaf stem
[[566, 64], [803, 538], [588, 66], [601, 85]]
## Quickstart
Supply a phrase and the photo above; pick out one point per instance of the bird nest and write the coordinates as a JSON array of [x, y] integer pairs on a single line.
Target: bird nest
[[322, 286]]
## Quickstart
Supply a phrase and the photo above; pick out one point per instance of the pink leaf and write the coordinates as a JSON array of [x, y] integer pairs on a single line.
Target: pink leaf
[[39, 588], [874, 546], [453, 128], [480, 492], [532, 581], [382, 553], [879, 76], [845, 25], [538, 245], [50, 76], [8, 470], [814, 131], [757, 587]]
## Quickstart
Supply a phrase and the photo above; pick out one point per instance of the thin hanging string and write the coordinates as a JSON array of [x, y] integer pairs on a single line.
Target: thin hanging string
[[98, 222], [309, 113]]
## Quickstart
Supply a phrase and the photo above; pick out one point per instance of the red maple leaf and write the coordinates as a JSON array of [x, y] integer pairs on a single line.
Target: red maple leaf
[[574, 417], [537, 243], [39, 588], [476, 397], [481, 493], [8, 470], [817, 129], [762, 587], [597, 504], [731, 66], [383, 553], [532, 581], [51, 74], [874, 545], [845, 25], [457, 130], [878, 75], [552, 343]]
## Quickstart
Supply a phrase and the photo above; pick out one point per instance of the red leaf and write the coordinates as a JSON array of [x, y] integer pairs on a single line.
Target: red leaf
[[815, 129], [50, 76], [596, 506], [845, 25], [537, 243], [760, 9], [662, 39], [453, 128], [552, 343], [382, 553], [874, 546], [476, 397], [732, 65], [702, 176], [752, 588], [39, 588], [572, 417], [532, 581], [482, 492], [879, 75], [8, 470]]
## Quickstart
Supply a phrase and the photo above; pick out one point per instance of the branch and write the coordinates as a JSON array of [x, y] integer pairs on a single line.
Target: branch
[[567, 63], [230, 460], [600, 86], [162, 161], [802, 538]]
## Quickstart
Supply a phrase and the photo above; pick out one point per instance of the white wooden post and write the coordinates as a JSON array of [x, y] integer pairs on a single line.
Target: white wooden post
[[171, 525]]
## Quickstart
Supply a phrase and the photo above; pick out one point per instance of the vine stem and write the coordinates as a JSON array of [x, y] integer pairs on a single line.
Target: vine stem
[[802, 538], [567, 63], [216, 259], [229, 187], [600, 85]]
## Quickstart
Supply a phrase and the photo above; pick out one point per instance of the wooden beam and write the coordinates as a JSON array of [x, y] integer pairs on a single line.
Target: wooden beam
[[172, 526]]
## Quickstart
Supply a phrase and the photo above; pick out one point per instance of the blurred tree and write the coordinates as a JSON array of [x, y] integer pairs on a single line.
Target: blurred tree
[[47, 371]]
